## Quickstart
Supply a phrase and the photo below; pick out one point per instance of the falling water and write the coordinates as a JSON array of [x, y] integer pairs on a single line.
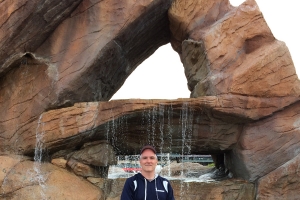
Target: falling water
[[151, 121], [38, 157], [186, 128], [161, 126], [153, 124], [169, 136], [186, 118], [115, 132]]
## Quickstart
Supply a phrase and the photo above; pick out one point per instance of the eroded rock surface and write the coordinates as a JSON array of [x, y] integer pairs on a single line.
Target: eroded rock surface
[[31, 180], [213, 123], [96, 154], [26, 24], [56, 55], [267, 144], [282, 183], [91, 51], [224, 52]]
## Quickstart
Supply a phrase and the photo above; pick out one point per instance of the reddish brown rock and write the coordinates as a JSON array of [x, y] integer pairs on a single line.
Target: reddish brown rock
[[282, 183], [29, 180], [59, 162], [98, 153], [6, 164], [63, 53], [267, 144], [23, 97], [81, 169], [93, 159], [224, 52], [111, 187], [186, 16], [111, 40], [87, 57], [227, 190], [214, 123], [25, 24]]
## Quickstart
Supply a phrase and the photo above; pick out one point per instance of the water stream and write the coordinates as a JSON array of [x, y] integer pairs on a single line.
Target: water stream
[[39, 152]]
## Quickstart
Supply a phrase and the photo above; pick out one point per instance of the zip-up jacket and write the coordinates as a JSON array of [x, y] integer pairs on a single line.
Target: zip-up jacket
[[138, 187]]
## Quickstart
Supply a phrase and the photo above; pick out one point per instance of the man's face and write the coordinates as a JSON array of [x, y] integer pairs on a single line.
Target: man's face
[[148, 161]]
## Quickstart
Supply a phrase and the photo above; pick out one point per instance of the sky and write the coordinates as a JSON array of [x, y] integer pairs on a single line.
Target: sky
[[161, 76]]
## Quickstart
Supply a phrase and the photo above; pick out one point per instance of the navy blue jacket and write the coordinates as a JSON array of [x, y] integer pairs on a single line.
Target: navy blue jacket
[[139, 188]]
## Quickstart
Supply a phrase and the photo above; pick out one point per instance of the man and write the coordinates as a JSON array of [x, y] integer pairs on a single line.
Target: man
[[147, 185]]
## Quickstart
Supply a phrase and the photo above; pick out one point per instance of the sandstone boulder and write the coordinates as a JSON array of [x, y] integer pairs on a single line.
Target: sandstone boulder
[[84, 170], [214, 190], [97, 154], [32, 180], [59, 162]]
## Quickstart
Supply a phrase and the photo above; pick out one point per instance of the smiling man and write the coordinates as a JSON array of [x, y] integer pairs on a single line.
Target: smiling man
[[147, 185]]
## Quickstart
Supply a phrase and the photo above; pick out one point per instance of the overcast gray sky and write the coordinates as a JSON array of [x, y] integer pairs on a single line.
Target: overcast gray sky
[[162, 75]]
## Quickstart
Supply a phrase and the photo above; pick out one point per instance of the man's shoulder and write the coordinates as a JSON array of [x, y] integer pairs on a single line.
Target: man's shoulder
[[162, 178]]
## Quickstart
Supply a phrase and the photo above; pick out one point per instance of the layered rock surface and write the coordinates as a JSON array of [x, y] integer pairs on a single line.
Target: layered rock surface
[[26, 24], [211, 123], [60, 62], [282, 183], [223, 50], [87, 56]]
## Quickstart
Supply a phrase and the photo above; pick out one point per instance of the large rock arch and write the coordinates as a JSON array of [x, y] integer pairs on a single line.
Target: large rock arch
[[245, 91], [87, 57]]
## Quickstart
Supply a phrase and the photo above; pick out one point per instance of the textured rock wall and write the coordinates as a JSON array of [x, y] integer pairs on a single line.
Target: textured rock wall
[[85, 54], [25, 25], [227, 50], [60, 62]]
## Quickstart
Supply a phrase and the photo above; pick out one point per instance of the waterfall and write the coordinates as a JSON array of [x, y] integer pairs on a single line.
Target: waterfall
[[115, 132], [161, 126], [186, 128], [38, 157]]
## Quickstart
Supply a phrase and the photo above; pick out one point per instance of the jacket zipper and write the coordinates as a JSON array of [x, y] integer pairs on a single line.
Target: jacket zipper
[[145, 189]]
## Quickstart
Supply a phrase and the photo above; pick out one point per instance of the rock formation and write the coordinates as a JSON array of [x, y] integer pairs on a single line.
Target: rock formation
[[87, 57], [62, 61]]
